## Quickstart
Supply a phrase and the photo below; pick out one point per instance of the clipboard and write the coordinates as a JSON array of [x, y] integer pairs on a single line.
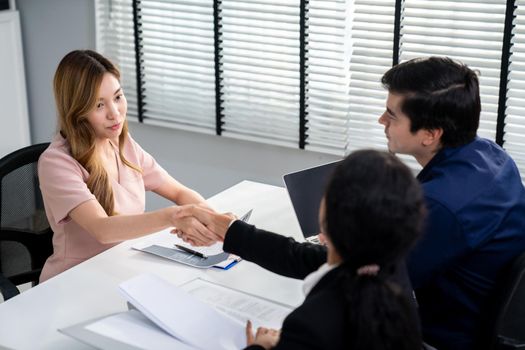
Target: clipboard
[[163, 245]]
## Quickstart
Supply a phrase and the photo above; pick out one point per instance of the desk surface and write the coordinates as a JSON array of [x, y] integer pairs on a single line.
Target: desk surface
[[89, 290]]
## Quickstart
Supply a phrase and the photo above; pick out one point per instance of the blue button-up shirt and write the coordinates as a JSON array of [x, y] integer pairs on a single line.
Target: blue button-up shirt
[[475, 226]]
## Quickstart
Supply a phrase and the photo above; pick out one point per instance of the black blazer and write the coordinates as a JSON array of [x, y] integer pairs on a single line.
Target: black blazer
[[319, 322]]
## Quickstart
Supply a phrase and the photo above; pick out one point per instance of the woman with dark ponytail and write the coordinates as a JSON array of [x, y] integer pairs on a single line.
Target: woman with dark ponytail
[[355, 285], [373, 214]]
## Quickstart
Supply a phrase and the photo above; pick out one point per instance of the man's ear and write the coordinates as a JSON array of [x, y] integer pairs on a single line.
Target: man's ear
[[432, 137]]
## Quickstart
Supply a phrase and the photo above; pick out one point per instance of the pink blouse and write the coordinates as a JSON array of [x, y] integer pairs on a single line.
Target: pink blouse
[[63, 186]]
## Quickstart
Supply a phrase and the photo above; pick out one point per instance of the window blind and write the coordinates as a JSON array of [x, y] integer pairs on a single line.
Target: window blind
[[259, 62], [244, 57], [115, 39], [514, 137], [177, 46], [328, 51], [372, 54], [467, 30]]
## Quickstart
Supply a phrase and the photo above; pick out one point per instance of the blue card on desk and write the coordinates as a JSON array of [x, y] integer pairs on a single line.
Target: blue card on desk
[[229, 263]]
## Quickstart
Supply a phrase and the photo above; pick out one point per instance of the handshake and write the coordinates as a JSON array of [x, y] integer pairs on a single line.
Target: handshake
[[200, 225]]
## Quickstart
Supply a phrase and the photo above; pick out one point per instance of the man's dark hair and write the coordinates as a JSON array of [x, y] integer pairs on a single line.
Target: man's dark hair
[[374, 212], [438, 93]]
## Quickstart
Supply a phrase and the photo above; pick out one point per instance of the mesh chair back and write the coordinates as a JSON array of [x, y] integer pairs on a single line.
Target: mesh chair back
[[25, 235], [509, 331]]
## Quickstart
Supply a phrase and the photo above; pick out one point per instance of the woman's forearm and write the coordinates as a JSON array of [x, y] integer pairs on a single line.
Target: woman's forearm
[[118, 228]]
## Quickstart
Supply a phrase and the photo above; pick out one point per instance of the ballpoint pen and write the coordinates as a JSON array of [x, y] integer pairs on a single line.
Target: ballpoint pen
[[191, 251], [246, 216]]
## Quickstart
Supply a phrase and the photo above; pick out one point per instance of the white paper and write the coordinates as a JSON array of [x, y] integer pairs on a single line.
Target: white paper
[[182, 315], [239, 305], [135, 329]]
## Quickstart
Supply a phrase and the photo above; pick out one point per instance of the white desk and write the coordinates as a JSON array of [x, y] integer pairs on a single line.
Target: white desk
[[89, 290]]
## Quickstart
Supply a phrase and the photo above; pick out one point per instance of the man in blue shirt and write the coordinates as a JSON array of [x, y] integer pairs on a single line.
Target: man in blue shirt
[[474, 195]]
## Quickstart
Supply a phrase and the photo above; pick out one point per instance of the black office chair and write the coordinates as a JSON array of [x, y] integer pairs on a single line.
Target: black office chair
[[25, 235], [509, 329], [7, 288]]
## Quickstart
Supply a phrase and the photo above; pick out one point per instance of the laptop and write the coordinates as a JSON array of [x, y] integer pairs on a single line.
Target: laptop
[[306, 189]]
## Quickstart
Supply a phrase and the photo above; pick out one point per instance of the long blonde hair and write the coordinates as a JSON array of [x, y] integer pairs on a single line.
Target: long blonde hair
[[76, 85]]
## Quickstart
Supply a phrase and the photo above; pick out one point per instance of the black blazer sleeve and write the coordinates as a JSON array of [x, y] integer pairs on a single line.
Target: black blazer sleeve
[[279, 254]]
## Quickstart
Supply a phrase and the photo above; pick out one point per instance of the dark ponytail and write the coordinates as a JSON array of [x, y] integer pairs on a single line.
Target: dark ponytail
[[379, 314], [374, 212]]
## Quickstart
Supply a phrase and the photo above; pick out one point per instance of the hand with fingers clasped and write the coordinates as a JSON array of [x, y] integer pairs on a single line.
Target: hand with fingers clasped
[[193, 231], [200, 226], [265, 337]]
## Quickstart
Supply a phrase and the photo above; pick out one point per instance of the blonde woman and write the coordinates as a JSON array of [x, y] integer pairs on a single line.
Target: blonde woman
[[94, 176]]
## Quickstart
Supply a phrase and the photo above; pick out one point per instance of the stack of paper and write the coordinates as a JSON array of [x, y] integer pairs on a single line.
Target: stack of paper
[[198, 315], [183, 316]]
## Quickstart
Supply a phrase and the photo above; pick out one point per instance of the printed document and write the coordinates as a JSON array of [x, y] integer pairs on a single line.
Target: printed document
[[239, 305]]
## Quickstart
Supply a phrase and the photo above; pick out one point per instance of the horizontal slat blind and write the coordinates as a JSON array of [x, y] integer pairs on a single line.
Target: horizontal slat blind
[[372, 39], [349, 46], [470, 31], [514, 138], [178, 60], [328, 52], [115, 40], [259, 61]]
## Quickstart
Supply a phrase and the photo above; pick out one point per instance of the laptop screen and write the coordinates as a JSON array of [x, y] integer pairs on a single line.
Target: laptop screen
[[306, 189]]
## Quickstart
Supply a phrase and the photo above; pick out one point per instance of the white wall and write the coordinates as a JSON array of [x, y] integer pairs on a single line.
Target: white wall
[[14, 131], [209, 164], [50, 29]]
